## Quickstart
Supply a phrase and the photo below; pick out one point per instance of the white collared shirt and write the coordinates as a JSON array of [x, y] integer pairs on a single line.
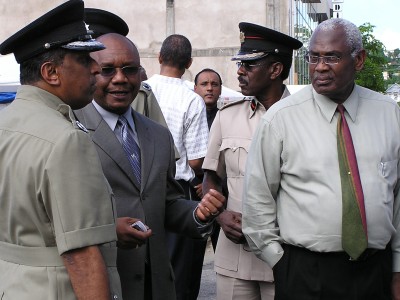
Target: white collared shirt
[[111, 119], [185, 114]]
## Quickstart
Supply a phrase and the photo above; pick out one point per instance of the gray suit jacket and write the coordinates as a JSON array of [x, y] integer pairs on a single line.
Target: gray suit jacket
[[158, 202]]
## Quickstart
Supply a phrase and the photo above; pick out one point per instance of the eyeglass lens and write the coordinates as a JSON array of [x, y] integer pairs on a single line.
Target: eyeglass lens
[[127, 71]]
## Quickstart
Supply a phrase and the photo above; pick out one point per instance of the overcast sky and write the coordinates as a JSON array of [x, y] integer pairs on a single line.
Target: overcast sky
[[384, 14]]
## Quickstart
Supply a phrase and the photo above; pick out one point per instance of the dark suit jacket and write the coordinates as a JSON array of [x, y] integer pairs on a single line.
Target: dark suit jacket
[[159, 202]]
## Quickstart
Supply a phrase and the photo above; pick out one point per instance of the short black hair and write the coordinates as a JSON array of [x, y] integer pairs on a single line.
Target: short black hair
[[207, 70], [30, 69], [176, 51]]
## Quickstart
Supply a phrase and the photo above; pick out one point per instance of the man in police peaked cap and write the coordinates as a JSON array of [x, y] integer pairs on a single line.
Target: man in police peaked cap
[[264, 61], [57, 223]]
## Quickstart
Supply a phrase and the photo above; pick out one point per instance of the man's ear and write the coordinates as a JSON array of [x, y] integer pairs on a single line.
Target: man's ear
[[49, 72], [276, 69], [360, 60], [189, 63], [159, 59]]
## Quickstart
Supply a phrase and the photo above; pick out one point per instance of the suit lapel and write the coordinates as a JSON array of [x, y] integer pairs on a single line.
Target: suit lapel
[[105, 139], [146, 146]]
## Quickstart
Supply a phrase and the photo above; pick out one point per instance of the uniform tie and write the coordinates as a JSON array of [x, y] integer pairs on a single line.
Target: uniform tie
[[130, 146], [354, 222]]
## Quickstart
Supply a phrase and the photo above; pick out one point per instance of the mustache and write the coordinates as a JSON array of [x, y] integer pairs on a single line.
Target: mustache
[[323, 76], [242, 80]]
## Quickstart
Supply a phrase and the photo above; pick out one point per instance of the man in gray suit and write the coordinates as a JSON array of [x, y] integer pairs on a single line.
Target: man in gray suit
[[153, 196]]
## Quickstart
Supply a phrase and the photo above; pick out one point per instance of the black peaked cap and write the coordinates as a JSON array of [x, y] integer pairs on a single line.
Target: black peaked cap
[[259, 41], [63, 27], [102, 22]]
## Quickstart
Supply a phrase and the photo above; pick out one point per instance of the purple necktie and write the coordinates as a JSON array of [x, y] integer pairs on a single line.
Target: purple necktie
[[130, 147]]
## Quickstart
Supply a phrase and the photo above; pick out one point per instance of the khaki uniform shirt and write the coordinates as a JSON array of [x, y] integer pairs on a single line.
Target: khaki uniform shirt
[[229, 142], [53, 198], [146, 104]]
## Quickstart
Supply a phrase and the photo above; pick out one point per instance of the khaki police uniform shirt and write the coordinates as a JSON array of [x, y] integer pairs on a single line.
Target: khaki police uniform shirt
[[229, 142], [53, 198], [146, 104]]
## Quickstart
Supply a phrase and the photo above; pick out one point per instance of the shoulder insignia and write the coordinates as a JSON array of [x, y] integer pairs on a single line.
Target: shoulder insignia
[[81, 127], [233, 103], [146, 86], [253, 104]]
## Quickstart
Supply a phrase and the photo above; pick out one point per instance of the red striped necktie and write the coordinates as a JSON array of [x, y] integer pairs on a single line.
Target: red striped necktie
[[354, 222]]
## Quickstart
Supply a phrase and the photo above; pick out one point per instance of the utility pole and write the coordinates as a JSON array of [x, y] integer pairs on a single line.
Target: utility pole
[[170, 17]]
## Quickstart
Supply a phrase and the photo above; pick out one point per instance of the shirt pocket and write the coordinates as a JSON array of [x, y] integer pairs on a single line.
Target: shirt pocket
[[235, 151], [388, 173]]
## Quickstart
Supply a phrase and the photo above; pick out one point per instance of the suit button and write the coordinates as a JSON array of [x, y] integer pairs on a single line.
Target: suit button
[[139, 277], [115, 297]]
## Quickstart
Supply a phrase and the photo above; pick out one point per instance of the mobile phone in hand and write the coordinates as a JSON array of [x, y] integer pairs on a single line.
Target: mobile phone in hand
[[138, 225]]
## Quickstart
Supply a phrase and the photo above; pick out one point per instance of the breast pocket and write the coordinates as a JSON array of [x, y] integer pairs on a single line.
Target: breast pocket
[[235, 152]]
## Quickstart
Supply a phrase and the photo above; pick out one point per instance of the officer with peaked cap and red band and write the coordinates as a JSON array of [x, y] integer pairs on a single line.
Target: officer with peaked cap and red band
[[57, 222], [265, 57]]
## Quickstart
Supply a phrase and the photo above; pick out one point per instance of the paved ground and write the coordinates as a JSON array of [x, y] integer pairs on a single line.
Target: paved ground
[[208, 287]]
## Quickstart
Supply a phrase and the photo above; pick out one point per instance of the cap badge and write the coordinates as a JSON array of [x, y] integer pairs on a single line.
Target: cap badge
[[241, 37]]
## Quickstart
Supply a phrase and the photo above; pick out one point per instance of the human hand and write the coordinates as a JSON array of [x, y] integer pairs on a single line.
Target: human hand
[[210, 206], [396, 286], [199, 190], [128, 237], [231, 224]]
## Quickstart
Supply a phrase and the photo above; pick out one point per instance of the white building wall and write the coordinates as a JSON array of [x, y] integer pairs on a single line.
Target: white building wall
[[210, 25]]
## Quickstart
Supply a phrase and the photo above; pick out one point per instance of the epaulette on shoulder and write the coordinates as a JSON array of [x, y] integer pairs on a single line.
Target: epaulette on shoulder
[[237, 102], [145, 86]]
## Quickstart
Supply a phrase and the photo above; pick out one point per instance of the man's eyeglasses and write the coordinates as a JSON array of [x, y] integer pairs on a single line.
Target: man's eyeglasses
[[328, 60], [249, 65], [127, 71]]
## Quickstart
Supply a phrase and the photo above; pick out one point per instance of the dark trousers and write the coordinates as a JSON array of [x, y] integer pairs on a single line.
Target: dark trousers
[[186, 255], [305, 275]]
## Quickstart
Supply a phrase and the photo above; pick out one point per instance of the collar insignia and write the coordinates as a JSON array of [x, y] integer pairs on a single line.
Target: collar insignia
[[81, 127]]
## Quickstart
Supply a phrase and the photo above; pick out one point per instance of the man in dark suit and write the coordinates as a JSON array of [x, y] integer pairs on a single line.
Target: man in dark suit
[[153, 197]]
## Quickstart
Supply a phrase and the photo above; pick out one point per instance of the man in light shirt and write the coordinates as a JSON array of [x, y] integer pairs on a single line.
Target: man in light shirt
[[294, 184], [185, 114]]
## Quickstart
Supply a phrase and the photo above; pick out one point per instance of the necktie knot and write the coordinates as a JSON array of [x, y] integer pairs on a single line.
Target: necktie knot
[[122, 121], [340, 108]]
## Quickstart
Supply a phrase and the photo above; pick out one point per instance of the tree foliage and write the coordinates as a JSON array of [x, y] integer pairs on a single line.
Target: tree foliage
[[371, 76], [393, 68]]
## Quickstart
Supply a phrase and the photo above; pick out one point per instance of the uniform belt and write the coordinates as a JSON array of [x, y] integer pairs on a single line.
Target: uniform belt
[[30, 256], [46, 256]]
